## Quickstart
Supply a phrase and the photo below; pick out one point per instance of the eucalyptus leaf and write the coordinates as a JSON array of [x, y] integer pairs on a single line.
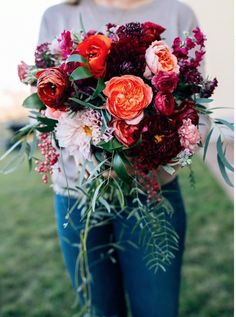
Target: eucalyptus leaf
[[220, 152], [228, 124], [207, 143], [223, 172]]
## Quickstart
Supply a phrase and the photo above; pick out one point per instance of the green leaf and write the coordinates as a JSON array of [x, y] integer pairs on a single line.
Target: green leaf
[[203, 100], [33, 102], [223, 172], [207, 143], [47, 121], [82, 23], [112, 145], [96, 194], [220, 152], [80, 73], [120, 167], [228, 124], [12, 148], [100, 87], [85, 103], [76, 58]]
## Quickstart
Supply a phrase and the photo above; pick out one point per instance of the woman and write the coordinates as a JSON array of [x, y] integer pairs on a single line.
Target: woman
[[149, 294]]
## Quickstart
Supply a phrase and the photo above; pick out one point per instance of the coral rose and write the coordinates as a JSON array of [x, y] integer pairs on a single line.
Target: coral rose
[[125, 133], [52, 87], [159, 58], [189, 135], [164, 103], [95, 49], [127, 97]]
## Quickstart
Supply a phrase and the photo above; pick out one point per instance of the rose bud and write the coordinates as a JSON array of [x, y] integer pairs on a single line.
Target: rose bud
[[125, 133], [186, 111], [165, 81], [52, 87], [164, 104]]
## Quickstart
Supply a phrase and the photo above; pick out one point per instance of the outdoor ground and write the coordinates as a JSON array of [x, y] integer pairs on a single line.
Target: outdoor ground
[[33, 282]]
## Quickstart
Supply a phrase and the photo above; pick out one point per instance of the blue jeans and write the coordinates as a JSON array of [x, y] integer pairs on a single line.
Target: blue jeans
[[150, 294]]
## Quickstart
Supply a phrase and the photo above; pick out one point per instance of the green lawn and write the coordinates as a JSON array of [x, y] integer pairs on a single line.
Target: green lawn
[[33, 282]]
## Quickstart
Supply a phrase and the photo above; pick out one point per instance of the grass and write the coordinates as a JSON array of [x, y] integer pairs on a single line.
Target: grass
[[33, 282]]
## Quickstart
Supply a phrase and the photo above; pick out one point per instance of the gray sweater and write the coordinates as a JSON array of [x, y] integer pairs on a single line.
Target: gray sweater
[[174, 15]]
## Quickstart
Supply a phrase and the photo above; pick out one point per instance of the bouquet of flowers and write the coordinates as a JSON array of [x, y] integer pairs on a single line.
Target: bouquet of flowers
[[122, 103]]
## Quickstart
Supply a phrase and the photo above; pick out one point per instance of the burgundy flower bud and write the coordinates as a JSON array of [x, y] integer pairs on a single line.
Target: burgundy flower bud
[[164, 103]]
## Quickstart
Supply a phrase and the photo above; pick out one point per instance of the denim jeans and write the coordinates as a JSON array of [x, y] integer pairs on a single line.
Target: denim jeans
[[124, 271]]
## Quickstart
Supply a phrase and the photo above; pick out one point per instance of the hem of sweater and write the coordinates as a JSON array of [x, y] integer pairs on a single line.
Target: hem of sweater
[[66, 193]]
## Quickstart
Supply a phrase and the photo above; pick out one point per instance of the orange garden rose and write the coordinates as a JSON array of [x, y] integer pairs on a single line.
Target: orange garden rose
[[95, 49], [159, 58], [127, 97], [52, 87]]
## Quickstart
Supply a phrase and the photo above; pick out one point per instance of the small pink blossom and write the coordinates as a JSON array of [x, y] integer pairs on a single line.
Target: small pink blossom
[[53, 114], [189, 135], [23, 70]]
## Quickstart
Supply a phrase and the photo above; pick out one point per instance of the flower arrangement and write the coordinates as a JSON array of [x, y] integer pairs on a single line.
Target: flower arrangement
[[122, 102]]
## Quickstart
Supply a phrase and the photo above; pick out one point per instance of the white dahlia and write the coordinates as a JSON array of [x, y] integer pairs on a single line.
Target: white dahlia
[[76, 133]]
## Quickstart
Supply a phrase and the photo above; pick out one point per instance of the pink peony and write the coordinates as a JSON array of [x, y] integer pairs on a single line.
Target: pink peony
[[189, 135], [164, 103], [165, 81]]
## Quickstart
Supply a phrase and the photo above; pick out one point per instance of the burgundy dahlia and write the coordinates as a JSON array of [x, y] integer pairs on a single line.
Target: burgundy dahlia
[[127, 56], [160, 142]]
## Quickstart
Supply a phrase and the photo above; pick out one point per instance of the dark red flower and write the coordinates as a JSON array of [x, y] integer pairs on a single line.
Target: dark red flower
[[52, 87], [160, 142], [164, 103], [165, 81], [152, 32], [125, 133], [186, 111]]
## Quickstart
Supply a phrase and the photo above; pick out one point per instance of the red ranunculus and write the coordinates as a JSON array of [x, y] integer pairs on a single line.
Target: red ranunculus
[[95, 49], [164, 103], [52, 87], [165, 81], [125, 133]]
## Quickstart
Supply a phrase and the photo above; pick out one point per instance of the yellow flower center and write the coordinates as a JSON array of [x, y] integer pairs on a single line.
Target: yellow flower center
[[87, 130], [158, 138]]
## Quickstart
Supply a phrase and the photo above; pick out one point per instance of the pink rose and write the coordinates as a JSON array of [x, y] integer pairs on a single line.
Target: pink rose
[[159, 58], [165, 81], [189, 135], [164, 103], [23, 70]]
